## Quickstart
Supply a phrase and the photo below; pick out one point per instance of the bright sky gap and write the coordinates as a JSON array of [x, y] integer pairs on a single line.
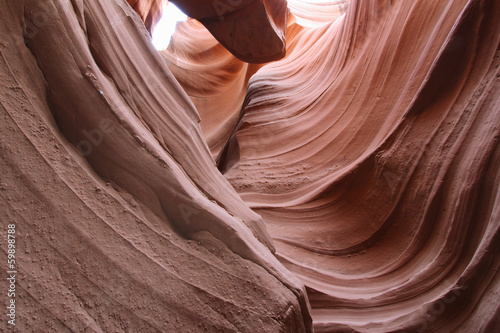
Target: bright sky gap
[[166, 26]]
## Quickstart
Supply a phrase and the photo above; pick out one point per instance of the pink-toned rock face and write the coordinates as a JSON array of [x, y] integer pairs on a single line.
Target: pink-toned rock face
[[359, 176], [371, 152], [149, 10], [252, 30], [123, 221]]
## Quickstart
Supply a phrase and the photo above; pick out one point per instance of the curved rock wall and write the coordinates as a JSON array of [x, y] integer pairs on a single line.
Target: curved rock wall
[[371, 151], [214, 79], [123, 221], [150, 11]]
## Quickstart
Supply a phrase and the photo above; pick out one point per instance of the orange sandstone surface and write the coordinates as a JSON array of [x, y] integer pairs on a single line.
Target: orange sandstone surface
[[327, 166]]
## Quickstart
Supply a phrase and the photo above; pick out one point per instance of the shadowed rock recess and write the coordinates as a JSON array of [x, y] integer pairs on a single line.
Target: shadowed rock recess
[[326, 166]]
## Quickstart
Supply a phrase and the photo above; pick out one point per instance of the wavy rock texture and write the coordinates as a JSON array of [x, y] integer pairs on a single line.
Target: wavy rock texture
[[314, 13], [123, 221], [371, 151], [150, 11], [213, 78]]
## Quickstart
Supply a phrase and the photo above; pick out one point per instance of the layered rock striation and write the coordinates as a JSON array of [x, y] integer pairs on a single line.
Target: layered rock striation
[[123, 221], [371, 152], [351, 185]]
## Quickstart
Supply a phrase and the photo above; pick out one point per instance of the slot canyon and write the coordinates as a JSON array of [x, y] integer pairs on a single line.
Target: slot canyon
[[310, 166]]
